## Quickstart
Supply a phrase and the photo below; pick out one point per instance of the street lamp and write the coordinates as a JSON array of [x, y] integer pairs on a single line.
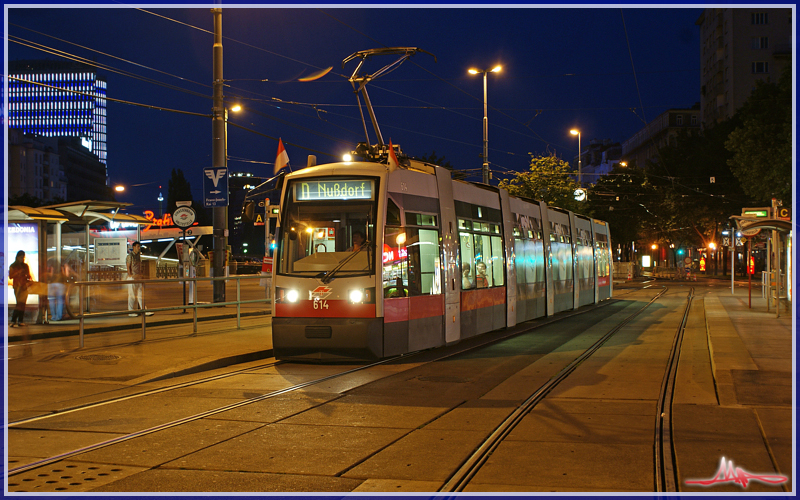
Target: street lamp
[[485, 169], [578, 133]]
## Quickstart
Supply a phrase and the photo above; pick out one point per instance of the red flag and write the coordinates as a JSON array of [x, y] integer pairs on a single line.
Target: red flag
[[393, 163], [282, 159]]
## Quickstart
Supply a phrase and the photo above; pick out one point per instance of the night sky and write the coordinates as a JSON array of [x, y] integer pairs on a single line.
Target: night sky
[[605, 71]]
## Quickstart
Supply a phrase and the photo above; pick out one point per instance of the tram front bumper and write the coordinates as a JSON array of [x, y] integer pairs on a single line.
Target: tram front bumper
[[327, 339]]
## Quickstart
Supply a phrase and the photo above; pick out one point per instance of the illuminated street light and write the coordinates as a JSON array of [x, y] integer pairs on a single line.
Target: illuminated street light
[[485, 169], [578, 133]]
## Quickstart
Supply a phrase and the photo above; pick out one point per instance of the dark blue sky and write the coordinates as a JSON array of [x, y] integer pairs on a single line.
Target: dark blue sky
[[606, 71]]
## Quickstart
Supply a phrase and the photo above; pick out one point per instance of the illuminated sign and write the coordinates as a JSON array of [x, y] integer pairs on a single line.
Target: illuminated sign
[[341, 189], [23, 236], [756, 212], [393, 254]]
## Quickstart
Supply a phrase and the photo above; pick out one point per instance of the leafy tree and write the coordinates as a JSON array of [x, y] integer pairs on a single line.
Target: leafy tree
[[548, 180], [439, 160], [762, 144]]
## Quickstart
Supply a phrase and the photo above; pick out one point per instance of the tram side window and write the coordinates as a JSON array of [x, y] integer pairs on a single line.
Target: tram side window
[[483, 253], [395, 263], [467, 260], [529, 260], [392, 213], [560, 253], [520, 259], [603, 264], [411, 262], [424, 265]]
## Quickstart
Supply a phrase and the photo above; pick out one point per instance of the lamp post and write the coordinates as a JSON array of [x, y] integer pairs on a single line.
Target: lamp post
[[485, 169], [578, 133]]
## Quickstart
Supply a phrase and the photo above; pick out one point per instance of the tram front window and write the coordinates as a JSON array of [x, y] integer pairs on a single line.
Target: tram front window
[[328, 225]]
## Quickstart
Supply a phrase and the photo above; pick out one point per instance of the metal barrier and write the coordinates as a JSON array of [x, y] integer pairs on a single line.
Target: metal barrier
[[83, 315]]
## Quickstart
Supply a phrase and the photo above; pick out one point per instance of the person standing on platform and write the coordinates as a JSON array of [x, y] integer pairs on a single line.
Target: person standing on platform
[[135, 272], [20, 273]]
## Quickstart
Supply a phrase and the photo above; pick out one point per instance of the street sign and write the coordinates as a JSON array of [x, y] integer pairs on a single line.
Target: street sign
[[739, 241], [215, 187], [726, 241], [183, 217], [784, 213], [751, 232]]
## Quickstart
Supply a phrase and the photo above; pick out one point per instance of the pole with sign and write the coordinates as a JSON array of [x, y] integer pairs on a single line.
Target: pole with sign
[[183, 217]]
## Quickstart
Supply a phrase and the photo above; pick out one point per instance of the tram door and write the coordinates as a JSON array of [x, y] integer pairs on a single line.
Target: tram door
[[395, 291], [413, 304]]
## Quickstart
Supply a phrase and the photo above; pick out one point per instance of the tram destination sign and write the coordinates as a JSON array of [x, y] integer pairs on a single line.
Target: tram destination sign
[[340, 189]]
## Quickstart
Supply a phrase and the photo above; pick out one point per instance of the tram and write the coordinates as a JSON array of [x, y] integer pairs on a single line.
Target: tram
[[389, 255], [374, 262]]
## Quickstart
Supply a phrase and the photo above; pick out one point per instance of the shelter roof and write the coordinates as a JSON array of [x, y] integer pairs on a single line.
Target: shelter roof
[[20, 213], [77, 212]]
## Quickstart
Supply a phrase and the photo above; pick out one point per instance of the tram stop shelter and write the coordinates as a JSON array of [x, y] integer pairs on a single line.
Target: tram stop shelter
[[780, 267], [66, 233]]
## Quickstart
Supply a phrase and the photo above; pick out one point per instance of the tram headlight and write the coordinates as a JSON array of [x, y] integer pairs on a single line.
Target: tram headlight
[[292, 295], [356, 296]]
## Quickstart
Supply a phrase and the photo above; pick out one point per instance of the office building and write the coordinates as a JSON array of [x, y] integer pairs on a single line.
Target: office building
[[738, 47], [59, 99]]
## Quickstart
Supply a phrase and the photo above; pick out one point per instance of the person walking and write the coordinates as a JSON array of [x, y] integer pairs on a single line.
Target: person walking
[[20, 273], [134, 264], [56, 289]]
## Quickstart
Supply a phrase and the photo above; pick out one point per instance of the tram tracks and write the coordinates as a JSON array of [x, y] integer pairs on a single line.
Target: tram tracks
[[664, 450], [470, 467]]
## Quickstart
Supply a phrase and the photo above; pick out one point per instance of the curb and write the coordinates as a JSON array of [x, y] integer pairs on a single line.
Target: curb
[[124, 326]]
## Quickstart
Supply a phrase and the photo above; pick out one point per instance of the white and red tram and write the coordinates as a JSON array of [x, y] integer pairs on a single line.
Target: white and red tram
[[441, 260]]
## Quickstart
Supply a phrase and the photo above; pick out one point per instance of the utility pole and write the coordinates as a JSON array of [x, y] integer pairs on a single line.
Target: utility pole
[[219, 159]]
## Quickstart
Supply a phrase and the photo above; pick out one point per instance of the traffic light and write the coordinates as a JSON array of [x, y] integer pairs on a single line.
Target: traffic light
[[680, 251]]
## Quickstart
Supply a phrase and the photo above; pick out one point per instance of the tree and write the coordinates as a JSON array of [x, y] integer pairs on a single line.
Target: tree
[[547, 180], [697, 191], [762, 144], [179, 189], [439, 160]]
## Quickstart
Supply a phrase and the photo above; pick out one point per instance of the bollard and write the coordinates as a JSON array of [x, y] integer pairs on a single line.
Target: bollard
[[144, 316], [238, 304], [80, 308], [194, 303]]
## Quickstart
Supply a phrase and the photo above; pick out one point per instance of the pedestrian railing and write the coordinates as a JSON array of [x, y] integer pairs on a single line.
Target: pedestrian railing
[[85, 286]]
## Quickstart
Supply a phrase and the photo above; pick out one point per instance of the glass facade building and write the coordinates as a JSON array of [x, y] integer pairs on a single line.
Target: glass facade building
[[58, 99]]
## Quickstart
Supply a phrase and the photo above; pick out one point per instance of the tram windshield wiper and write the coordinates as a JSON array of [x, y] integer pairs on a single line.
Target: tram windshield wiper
[[332, 273]]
